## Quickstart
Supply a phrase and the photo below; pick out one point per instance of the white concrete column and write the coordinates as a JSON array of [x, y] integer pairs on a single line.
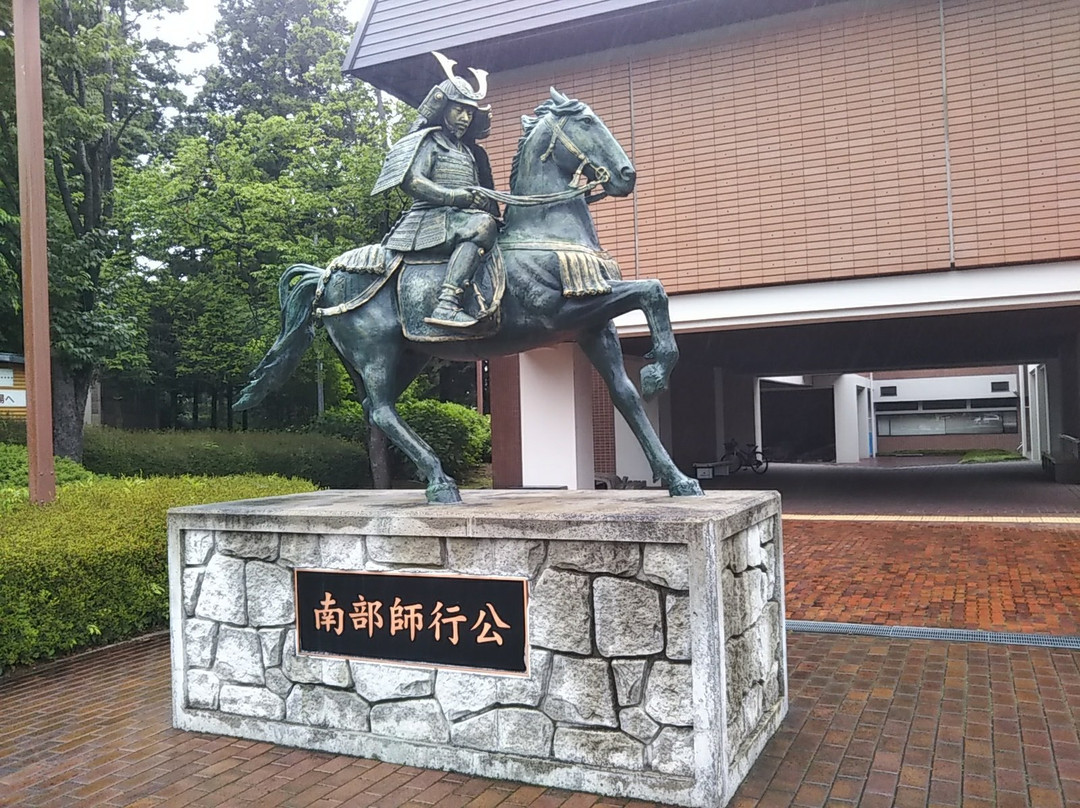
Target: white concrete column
[[556, 418], [630, 460], [863, 395], [849, 419]]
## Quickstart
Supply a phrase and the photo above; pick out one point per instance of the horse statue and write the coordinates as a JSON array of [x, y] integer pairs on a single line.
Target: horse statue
[[555, 285]]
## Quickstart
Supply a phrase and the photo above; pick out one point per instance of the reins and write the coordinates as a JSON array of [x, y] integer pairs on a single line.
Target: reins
[[573, 192]]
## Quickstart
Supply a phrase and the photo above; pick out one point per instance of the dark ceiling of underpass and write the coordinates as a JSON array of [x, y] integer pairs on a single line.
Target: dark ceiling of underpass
[[906, 343]]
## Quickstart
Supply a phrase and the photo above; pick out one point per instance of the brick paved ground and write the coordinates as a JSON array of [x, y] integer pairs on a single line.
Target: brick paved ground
[[991, 576], [872, 722]]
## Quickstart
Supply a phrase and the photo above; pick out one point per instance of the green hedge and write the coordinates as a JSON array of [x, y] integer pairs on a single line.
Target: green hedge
[[326, 462], [459, 435], [15, 469], [91, 568]]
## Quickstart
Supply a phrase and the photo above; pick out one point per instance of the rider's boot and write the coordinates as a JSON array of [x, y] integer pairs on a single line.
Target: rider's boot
[[462, 265]]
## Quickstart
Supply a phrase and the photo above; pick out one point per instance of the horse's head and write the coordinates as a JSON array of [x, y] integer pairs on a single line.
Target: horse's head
[[581, 144]]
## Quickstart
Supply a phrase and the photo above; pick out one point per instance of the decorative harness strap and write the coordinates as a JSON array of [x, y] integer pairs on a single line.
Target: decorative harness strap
[[573, 192]]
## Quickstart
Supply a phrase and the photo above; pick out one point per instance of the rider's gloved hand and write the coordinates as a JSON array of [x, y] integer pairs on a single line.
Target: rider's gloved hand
[[460, 198]]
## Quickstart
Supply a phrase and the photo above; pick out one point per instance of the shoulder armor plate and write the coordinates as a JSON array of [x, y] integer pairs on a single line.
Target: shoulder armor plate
[[399, 159]]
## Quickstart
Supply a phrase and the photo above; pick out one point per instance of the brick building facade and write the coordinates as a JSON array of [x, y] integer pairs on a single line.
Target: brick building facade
[[825, 190]]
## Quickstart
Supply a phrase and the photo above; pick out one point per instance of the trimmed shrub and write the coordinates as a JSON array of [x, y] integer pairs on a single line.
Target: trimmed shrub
[[15, 468], [91, 567], [345, 421], [324, 461], [460, 436]]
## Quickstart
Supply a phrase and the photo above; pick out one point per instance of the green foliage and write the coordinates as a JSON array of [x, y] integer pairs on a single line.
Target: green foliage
[[13, 430], [345, 421], [91, 568], [14, 468], [324, 461], [275, 56], [460, 436]]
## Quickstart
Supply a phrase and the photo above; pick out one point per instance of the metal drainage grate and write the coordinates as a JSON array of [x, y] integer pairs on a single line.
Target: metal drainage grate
[[946, 634]]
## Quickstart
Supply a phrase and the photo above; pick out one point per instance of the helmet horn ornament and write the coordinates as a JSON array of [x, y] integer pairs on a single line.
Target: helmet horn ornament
[[461, 84]]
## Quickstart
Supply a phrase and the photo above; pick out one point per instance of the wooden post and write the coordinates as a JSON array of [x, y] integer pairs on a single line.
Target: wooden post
[[35, 266]]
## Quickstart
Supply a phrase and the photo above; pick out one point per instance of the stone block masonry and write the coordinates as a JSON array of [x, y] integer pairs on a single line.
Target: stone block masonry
[[656, 629]]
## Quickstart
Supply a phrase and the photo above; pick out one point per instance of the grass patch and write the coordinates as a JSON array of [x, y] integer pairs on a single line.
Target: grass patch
[[991, 456]]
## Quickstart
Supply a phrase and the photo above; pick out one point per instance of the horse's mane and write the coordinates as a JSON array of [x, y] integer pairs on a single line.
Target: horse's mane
[[571, 106]]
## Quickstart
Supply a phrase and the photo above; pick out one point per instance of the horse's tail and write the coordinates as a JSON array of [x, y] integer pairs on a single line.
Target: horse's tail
[[296, 290]]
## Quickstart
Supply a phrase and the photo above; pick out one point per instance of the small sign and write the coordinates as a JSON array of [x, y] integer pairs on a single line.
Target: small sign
[[7, 377], [12, 398], [454, 621]]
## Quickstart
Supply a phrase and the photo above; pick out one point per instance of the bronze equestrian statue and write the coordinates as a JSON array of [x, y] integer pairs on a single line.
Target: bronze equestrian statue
[[440, 286]]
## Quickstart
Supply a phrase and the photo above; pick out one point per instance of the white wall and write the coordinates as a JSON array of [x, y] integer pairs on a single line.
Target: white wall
[[945, 387], [556, 418]]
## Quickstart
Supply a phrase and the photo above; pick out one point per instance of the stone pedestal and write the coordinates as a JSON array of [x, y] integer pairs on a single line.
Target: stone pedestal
[[656, 629]]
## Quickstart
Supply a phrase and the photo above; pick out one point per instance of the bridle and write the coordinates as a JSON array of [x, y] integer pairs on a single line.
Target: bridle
[[559, 136], [602, 174]]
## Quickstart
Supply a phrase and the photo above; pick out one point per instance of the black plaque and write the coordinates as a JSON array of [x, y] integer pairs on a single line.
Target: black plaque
[[459, 621]]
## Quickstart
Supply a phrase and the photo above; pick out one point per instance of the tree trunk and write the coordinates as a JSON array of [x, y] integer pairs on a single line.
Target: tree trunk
[[379, 457], [175, 409], [228, 408], [195, 406], [69, 391], [214, 408]]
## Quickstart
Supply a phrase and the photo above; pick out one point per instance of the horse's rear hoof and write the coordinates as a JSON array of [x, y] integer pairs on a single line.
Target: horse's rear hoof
[[443, 494], [686, 488]]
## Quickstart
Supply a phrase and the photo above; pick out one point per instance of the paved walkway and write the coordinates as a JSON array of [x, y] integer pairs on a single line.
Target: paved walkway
[[973, 574], [872, 723]]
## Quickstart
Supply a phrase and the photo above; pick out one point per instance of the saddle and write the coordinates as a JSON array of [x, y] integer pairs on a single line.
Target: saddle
[[359, 274]]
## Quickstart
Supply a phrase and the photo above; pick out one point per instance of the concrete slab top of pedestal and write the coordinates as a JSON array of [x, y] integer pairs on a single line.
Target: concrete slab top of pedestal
[[650, 515]]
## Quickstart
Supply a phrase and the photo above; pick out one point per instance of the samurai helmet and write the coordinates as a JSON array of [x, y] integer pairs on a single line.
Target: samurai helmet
[[455, 89]]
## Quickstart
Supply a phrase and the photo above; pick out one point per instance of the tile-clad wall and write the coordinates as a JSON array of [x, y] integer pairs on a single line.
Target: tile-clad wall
[[812, 146], [1014, 129]]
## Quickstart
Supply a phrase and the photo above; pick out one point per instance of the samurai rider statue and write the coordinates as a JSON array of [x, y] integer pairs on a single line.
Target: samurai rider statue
[[434, 164]]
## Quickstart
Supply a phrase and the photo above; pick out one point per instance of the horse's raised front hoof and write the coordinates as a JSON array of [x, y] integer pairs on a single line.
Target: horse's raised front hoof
[[653, 381], [686, 487], [445, 493]]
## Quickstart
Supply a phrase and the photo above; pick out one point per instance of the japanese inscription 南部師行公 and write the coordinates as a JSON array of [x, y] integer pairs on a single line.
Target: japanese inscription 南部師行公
[[441, 620]]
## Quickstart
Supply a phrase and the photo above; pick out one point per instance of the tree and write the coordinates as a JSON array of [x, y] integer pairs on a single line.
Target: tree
[[105, 94], [275, 57], [243, 194]]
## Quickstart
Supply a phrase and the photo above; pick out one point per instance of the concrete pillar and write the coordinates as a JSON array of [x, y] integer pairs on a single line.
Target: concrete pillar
[[1054, 405], [863, 395], [556, 418], [630, 460], [850, 418]]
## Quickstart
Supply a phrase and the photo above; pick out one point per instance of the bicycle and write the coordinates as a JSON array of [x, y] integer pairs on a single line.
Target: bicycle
[[748, 456]]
